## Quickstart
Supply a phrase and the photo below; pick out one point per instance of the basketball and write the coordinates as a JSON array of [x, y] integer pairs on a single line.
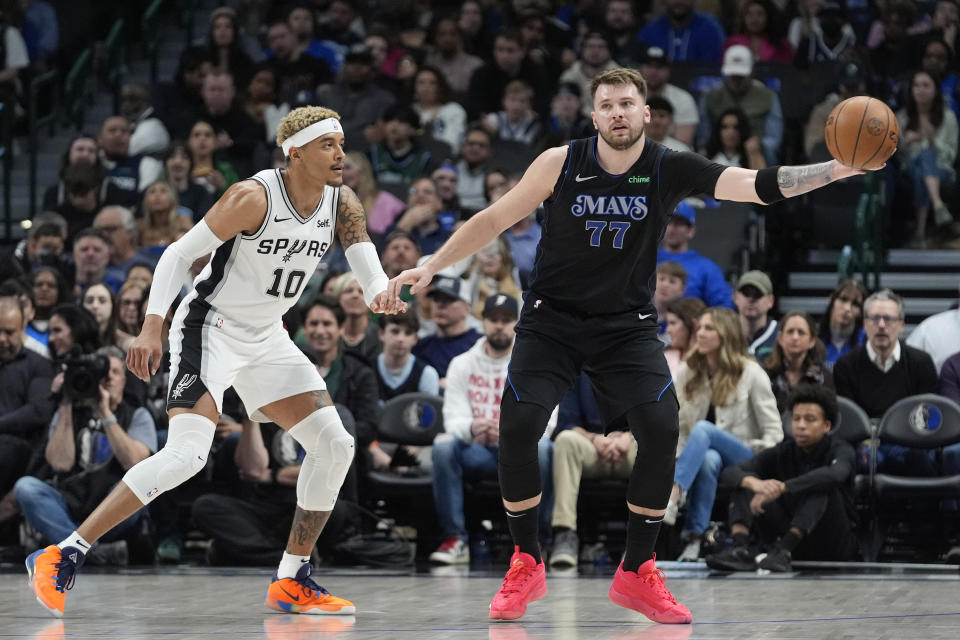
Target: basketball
[[862, 133]]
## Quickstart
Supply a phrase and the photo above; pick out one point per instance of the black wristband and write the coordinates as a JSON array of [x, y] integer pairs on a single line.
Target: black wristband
[[766, 185]]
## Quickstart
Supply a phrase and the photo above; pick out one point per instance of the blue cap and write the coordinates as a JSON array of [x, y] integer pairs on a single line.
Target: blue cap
[[687, 212]]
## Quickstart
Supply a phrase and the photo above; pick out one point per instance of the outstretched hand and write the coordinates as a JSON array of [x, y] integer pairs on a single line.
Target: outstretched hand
[[418, 279], [383, 303]]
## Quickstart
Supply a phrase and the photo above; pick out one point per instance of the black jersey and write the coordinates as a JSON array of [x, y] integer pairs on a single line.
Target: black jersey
[[598, 250]]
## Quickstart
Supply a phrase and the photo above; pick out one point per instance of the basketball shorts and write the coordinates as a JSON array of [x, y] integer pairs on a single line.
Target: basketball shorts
[[620, 353], [210, 352]]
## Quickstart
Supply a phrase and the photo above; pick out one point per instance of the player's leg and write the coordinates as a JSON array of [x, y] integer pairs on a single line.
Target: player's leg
[[638, 584]]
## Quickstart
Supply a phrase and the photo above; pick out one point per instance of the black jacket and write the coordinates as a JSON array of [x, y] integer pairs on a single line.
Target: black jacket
[[353, 383], [26, 405]]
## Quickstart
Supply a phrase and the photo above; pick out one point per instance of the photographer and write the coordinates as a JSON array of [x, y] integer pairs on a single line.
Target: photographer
[[94, 438]]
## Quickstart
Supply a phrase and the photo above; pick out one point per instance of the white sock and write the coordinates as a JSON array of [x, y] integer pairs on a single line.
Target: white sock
[[77, 541], [290, 564]]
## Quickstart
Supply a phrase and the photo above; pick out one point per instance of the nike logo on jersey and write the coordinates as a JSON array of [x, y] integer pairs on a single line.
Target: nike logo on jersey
[[579, 179], [276, 219], [644, 316], [648, 521]]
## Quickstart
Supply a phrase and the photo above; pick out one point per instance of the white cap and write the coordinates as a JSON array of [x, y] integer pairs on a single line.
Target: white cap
[[737, 61]]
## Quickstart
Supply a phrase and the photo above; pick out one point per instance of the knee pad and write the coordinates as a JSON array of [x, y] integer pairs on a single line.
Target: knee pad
[[329, 448], [521, 426], [190, 437]]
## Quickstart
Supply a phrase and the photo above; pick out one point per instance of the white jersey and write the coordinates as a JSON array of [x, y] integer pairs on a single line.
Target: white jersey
[[254, 279]]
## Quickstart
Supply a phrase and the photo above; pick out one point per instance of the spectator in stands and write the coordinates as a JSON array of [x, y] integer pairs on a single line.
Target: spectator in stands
[[760, 31], [492, 272], [938, 335], [487, 84], [358, 335], [566, 119], [620, 25], [149, 135], [830, 37], [21, 292], [129, 301], [582, 448], [882, 370], [754, 300], [950, 378], [841, 327], [338, 26], [732, 143], [101, 302], [142, 274], [447, 180], [704, 278], [225, 45], [739, 89], [517, 122], [398, 370], [472, 168], [358, 97], [929, 133], [474, 24], [727, 413], [661, 122], [44, 246], [797, 497], [440, 116], [671, 283], [350, 380], [119, 225], [236, 133], [298, 74], [852, 83], [400, 159], [447, 55], [595, 58], [83, 149], [261, 105], [797, 359], [178, 169], [179, 102], [892, 53], [400, 252], [209, 169], [681, 318], [49, 290], [303, 24], [937, 60], [82, 183], [25, 403], [655, 67], [686, 35], [162, 222], [40, 31], [471, 422], [129, 173], [451, 306], [91, 255], [423, 217], [13, 59], [91, 444]]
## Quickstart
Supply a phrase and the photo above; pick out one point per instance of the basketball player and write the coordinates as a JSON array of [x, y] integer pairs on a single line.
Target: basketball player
[[606, 201], [267, 235]]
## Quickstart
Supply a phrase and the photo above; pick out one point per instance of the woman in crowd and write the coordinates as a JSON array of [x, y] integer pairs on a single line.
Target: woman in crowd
[[261, 102], [178, 167], [797, 358], [727, 413], [928, 150], [732, 144], [162, 221], [358, 334], [225, 48], [444, 119], [100, 301], [492, 272], [73, 331], [141, 275], [49, 290], [841, 327], [129, 300], [215, 175], [382, 208], [760, 31], [682, 315]]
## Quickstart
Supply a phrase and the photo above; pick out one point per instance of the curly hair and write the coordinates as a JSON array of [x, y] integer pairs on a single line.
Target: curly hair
[[301, 118]]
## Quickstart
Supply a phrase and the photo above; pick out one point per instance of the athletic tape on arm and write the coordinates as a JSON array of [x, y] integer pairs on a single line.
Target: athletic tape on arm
[[175, 262], [365, 263]]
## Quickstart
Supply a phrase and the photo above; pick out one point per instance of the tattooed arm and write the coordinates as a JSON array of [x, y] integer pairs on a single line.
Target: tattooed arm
[[351, 220], [739, 185]]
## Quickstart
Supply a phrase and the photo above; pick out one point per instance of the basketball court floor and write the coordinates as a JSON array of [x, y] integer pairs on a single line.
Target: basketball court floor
[[857, 601]]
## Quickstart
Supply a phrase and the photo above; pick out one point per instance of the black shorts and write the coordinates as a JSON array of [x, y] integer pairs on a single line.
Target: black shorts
[[620, 353]]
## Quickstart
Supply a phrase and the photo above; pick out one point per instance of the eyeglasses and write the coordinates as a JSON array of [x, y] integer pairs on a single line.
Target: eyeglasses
[[877, 318]]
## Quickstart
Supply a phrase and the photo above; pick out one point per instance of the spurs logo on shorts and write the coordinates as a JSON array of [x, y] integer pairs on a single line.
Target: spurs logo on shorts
[[183, 385]]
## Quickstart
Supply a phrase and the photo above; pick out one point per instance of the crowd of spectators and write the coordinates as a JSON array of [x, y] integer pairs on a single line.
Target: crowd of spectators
[[443, 107]]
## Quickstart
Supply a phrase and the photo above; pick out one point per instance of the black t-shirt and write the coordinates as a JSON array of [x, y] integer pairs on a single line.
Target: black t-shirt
[[598, 251]]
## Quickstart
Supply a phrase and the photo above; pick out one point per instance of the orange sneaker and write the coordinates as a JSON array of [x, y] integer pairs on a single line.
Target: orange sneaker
[[50, 572], [525, 582], [645, 591], [302, 595]]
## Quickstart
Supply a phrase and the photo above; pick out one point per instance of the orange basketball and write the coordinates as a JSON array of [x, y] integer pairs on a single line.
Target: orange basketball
[[862, 132]]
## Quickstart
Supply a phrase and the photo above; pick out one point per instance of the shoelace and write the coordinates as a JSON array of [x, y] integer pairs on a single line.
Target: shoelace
[[657, 580], [311, 587], [66, 573], [516, 576]]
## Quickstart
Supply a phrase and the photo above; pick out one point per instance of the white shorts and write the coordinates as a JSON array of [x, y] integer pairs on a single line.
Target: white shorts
[[210, 353]]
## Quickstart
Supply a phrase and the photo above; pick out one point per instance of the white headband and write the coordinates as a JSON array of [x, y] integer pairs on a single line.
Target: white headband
[[314, 131]]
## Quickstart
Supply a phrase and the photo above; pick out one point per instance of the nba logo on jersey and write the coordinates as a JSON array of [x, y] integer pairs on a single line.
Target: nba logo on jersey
[[536, 305], [219, 322], [183, 385]]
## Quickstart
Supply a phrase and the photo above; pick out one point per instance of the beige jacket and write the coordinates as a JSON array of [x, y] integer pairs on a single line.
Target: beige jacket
[[752, 417]]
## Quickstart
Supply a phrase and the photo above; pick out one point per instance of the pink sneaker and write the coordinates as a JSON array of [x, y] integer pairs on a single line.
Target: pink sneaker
[[525, 582], [645, 591]]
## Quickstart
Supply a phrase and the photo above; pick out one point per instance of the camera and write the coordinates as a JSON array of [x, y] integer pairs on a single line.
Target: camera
[[82, 376]]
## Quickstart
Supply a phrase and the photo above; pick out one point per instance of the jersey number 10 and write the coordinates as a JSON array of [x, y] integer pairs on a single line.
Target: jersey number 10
[[294, 282]]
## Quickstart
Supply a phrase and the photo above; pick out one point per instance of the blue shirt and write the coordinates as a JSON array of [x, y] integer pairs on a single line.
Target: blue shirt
[[704, 278], [523, 248], [429, 379], [438, 352], [700, 41], [579, 408]]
